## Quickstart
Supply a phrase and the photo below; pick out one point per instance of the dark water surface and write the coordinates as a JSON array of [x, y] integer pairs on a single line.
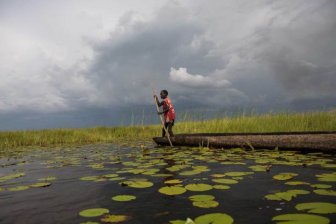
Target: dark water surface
[[68, 195]]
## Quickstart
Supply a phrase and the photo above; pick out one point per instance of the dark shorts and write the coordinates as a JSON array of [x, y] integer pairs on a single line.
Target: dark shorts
[[167, 123]]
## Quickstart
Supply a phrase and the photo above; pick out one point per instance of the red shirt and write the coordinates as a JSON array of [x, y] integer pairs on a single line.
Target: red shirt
[[170, 114]]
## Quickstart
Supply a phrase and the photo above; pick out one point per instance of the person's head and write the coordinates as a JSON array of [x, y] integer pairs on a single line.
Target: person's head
[[163, 94]]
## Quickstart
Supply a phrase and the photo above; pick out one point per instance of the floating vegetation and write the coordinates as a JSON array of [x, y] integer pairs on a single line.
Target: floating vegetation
[[225, 181], [11, 176], [41, 184], [300, 218], [172, 190], [327, 192], [174, 181], [204, 201], [94, 212], [287, 195], [137, 183], [198, 187], [124, 198], [18, 188], [327, 177], [115, 218], [284, 176], [317, 207], [214, 218], [155, 184]]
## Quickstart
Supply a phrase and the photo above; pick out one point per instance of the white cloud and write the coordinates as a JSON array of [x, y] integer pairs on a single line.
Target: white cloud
[[181, 76]]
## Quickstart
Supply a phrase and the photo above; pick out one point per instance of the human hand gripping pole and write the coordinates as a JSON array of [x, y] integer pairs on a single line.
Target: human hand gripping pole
[[161, 117]]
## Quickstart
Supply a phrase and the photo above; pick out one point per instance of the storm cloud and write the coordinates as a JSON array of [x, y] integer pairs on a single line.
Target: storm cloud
[[78, 55]]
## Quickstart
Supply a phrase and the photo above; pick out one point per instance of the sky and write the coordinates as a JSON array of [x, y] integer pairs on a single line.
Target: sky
[[80, 63]]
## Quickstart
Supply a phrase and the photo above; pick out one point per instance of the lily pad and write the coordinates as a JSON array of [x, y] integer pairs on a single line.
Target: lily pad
[[90, 178], [46, 179], [42, 184], [11, 176], [317, 207], [214, 218], [325, 192], [137, 184], [284, 176], [294, 183], [18, 188], [198, 187], [221, 187], [93, 212], [124, 198], [327, 177], [225, 181], [205, 204], [201, 197], [323, 186], [115, 218], [237, 174], [175, 181], [286, 195], [172, 190], [300, 219], [258, 168]]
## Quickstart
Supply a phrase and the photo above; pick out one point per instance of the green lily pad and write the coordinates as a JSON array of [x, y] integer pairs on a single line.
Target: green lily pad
[[11, 176], [18, 188], [115, 218], [317, 207], [214, 218], [221, 187], [42, 184], [327, 165], [137, 184], [294, 183], [93, 212], [237, 174], [198, 187], [205, 204], [124, 198], [175, 181], [217, 175], [112, 175], [327, 177], [176, 168], [325, 192], [287, 195], [202, 197], [90, 178], [323, 186], [284, 176], [172, 190], [300, 219], [258, 168], [225, 181], [46, 179]]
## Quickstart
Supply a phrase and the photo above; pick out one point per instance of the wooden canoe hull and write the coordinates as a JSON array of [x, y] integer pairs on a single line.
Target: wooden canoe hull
[[307, 141]]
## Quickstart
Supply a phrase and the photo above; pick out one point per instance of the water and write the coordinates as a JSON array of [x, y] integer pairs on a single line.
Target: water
[[68, 195]]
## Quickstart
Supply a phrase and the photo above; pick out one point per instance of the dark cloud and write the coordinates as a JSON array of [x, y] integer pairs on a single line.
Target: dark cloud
[[219, 54]]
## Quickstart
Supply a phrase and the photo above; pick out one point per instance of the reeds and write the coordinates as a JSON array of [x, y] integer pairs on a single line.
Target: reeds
[[271, 122]]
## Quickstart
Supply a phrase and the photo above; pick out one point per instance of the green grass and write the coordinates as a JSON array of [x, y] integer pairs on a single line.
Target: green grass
[[280, 122]]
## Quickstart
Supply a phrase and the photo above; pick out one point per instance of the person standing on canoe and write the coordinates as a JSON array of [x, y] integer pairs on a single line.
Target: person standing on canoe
[[168, 112]]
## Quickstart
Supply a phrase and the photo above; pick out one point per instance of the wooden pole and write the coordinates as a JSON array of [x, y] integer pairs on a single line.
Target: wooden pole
[[162, 120]]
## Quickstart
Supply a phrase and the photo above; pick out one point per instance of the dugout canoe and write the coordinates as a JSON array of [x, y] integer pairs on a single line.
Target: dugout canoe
[[303, 141]]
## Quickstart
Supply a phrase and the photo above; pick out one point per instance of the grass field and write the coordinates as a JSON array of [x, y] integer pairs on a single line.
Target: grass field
[[271, 122]]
